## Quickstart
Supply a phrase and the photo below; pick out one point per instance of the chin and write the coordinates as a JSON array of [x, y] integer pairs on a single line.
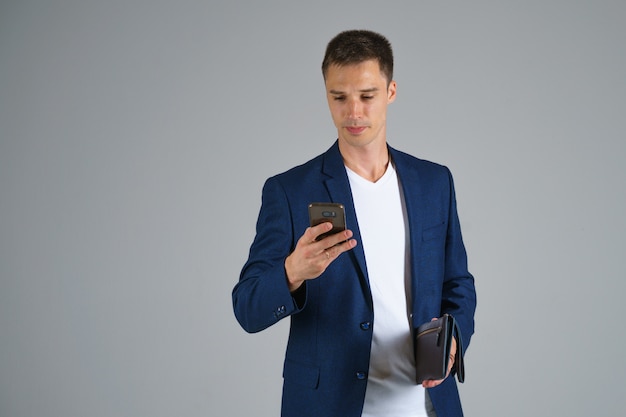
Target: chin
[[356, 140]]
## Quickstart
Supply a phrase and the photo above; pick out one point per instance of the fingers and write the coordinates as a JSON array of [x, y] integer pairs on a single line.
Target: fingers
[[311, 257], [431, 383], [326, 250], [313, 232], [344, 244], [333, 243]]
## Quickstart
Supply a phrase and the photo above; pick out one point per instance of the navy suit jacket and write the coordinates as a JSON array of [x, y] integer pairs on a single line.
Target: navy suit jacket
[[332, 317]]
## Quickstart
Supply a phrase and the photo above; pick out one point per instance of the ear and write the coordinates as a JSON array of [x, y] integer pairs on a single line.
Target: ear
[[391, 92]]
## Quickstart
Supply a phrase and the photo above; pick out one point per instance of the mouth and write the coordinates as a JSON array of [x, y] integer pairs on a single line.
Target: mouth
[[355, 130]]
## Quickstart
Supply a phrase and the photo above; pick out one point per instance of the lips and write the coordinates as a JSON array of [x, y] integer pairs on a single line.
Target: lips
[[355, 130]]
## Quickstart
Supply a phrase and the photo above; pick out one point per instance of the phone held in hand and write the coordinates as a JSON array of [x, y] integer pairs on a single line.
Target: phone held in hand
[[328, 212]]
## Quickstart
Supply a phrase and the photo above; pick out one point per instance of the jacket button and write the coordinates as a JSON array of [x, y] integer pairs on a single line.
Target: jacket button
[[280, 311], [360, 375], [365, 325]]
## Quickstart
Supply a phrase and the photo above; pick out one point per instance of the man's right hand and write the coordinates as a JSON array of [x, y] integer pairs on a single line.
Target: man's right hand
[[310, 258]]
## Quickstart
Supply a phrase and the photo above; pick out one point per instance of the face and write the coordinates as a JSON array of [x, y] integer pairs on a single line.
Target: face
[[358, 97]]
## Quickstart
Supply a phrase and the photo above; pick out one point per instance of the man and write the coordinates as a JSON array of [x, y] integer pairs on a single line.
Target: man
[[355, 297]]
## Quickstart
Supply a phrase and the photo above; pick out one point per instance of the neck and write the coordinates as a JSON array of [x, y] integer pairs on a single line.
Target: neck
[[368, 163]]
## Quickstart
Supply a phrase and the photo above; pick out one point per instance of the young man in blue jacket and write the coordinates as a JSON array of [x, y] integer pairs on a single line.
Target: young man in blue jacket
[[355, 298]]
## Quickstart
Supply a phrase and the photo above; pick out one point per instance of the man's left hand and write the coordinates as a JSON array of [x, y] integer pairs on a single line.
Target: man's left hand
[[431, 383]]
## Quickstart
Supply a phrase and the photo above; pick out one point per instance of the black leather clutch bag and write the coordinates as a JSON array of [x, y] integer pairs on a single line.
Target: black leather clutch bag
[[433, 341]]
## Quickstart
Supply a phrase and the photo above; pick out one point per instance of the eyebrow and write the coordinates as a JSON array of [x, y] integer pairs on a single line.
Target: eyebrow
[[365, 90]]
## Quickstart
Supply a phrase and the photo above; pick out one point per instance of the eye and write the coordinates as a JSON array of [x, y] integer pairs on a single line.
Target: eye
[[339, 98], [367, 97]]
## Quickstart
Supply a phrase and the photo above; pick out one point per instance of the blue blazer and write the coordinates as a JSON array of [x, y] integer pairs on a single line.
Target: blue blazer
[[332, 317]]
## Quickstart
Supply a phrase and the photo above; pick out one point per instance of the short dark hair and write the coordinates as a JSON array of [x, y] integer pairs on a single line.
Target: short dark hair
[[356, 46]]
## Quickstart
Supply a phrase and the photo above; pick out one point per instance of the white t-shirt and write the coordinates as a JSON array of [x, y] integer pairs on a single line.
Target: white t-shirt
[[381, 215]]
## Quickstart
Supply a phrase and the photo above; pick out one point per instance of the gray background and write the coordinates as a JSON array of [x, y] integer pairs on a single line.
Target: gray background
[[135, 137]]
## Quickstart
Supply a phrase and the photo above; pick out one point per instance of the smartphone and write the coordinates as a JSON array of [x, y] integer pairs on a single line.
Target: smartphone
[[328, 212]]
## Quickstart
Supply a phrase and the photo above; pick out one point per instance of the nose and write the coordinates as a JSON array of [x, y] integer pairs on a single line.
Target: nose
[[354, 109]]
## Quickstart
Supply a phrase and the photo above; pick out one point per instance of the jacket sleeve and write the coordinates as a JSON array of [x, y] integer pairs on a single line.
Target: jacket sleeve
[[261, 297], [459, 293]]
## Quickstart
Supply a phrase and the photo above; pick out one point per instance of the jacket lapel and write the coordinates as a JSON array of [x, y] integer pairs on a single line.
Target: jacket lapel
[[338, 187], [414, 201]]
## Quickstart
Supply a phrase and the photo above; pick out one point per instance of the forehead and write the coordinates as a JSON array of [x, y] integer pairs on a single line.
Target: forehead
[[360, 74]]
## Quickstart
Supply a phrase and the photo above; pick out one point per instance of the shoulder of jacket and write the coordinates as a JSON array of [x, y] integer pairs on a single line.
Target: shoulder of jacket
[[409, 161]]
